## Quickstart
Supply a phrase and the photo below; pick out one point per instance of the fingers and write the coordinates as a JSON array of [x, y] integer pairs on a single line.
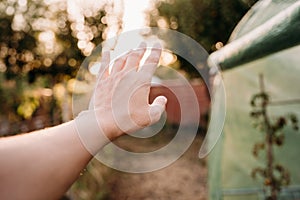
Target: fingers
[[102, 74], [154, 55], [152, 60], [119, 64], [135, 57], [104, 68], [157, 108], [132, 59]]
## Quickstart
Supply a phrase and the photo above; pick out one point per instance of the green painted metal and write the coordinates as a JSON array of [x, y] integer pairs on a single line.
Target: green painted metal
[[278, 33]]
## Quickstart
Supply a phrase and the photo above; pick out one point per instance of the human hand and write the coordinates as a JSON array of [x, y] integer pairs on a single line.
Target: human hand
[[120, 102]]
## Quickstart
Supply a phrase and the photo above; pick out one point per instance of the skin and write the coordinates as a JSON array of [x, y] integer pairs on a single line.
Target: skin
[[45, 163]]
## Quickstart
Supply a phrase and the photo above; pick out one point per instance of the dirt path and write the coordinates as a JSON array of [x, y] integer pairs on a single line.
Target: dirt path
[[186, 179]]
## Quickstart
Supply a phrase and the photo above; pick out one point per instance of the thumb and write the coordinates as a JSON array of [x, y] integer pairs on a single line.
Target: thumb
[[157, 108]]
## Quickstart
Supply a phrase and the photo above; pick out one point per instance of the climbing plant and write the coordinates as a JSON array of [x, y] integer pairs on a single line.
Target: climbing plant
[[274, 174]]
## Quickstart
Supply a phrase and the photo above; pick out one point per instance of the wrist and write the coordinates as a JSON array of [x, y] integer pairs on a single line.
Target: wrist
[[93, 133]]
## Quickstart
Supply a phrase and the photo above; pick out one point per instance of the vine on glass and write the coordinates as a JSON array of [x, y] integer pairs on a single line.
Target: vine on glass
[[274, 174]]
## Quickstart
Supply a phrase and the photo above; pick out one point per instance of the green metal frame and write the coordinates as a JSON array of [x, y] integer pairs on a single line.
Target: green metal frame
[[280, 32]]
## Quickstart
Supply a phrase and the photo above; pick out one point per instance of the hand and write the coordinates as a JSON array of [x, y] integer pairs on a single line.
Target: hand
[[120, 100]]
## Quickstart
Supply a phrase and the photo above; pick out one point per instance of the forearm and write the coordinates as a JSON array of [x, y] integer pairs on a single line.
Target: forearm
[[42, 164]]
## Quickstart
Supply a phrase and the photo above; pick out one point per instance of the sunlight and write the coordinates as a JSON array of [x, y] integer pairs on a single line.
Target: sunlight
[[121, 16], [167, 58], [47, 39], [46, 36], [134, 14]]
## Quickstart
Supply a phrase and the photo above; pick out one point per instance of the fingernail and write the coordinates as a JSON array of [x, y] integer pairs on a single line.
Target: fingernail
[[163, 99]]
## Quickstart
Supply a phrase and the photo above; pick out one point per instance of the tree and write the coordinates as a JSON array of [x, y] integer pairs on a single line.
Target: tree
[[42, 44], [209, 22]]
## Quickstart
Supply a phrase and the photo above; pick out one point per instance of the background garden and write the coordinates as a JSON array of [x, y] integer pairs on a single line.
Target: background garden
[[43, 44]]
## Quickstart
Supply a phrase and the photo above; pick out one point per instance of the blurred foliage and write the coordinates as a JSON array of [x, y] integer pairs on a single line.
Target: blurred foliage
[[206, 21], [209, 22], [42, 44]]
